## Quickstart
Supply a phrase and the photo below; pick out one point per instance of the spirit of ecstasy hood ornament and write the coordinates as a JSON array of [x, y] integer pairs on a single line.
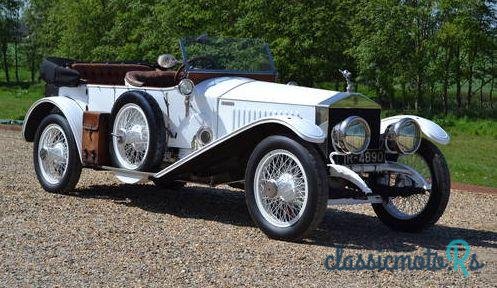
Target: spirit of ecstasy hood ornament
[[348, 77]]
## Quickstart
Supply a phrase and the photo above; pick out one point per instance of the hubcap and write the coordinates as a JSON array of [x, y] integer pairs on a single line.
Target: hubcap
[[131, 136], [281, 188], [286, 187], [53, 153]]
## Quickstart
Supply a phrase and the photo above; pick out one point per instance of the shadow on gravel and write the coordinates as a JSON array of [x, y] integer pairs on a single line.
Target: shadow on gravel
[[222, 205], [359, 231], [339, 228]]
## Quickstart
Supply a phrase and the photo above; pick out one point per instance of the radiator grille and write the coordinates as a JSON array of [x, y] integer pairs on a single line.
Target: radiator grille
[[372, 116]]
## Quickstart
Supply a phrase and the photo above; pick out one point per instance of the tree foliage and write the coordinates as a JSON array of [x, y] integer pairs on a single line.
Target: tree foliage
[[428, 55]]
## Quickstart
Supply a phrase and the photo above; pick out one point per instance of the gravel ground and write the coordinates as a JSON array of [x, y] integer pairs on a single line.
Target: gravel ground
[[106, 234]]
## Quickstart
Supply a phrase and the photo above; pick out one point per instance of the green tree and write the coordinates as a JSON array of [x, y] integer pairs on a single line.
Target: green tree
[[308, 38], [8, 13]]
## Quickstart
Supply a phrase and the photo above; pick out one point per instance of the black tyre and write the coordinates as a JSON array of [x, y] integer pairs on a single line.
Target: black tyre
[[139, 134], [417, 212], [286, 187], [55, 155]]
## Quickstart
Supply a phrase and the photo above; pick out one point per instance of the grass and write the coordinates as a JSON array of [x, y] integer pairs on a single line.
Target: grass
[[472, 160], [15, 99], [472, 153]]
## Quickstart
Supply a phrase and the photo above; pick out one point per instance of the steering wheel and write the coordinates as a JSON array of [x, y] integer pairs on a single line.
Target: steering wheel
[[211, 63]]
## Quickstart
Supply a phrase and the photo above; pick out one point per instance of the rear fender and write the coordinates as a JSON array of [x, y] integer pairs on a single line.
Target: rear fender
[[71, 109]]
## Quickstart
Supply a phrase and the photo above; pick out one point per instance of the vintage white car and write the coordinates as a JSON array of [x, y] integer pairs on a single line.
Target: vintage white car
[[221, 118]]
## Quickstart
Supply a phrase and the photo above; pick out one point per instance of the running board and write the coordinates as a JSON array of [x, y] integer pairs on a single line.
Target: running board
[[129, 176], [127, 172], [351, 201]]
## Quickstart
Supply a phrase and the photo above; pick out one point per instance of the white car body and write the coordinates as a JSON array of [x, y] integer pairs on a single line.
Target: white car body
[[227, 105]]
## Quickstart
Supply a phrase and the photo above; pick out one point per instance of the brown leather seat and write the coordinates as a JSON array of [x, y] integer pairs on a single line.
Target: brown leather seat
[[106, 74], [151, 78]]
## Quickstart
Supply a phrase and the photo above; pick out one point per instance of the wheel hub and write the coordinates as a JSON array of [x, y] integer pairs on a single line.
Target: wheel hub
[[281, 189], [55, 153], [131, 136], [286, 187], [271, 189]]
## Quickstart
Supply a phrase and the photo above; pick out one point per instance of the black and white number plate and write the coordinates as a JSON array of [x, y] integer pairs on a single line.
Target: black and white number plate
[[368, 157]]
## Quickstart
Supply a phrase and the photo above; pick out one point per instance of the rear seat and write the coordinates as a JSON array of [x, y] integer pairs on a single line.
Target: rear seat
[[107, 74]]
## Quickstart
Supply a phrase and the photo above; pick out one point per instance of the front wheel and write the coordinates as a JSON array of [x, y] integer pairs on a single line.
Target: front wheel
[[286, 187], [55, 154], [416, 212]]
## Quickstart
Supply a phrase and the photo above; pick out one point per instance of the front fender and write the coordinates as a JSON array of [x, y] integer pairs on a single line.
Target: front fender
[[430, 129], [304, 129], [71, 109]]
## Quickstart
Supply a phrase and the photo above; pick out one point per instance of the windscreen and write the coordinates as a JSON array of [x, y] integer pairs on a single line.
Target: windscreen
[[227, 55]]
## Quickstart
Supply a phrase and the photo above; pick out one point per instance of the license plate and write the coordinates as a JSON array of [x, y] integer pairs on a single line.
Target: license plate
[[368, 157]]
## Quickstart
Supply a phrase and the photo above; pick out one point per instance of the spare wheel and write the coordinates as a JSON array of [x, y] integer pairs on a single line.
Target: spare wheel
[[139, 135]]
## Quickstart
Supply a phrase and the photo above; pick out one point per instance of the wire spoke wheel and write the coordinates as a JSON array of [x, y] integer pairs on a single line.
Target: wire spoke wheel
[[131, 136], [411, 206], [281, 188], [53, 154], [286, 187], [416, 211]]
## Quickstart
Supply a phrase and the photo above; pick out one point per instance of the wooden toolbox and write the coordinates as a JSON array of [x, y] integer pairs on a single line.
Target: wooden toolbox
[[95, 139]]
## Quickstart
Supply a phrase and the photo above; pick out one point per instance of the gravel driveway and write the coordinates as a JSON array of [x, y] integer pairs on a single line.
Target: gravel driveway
[[106, 234]]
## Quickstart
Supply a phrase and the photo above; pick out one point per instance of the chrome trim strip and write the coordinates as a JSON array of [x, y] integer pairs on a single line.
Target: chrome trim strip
[[131, 87]]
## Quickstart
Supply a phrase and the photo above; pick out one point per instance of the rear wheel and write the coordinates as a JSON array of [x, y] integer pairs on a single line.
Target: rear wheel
[[55, 154], [286, 187], [416, 212]]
